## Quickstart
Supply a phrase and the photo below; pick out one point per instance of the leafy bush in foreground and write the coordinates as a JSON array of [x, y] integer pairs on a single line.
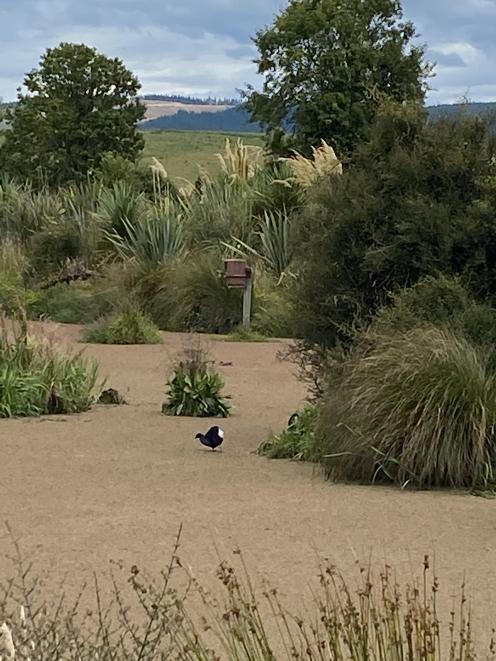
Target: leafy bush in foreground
[[195, 389], [131, 326], [294, 442], [35, 380], [419, 408], [149, 619]]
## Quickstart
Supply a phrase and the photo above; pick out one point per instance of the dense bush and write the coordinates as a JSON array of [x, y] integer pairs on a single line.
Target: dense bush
[[36, 380], [416, 200], [76, 303], [444, 302], [419, 408], [129, 326], [195, 388]]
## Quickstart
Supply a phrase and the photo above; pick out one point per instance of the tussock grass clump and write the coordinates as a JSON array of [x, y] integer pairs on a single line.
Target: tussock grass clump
[[195, 388], [296, 441], [419, 408], [146, 618], [130, 326], [36, 380]]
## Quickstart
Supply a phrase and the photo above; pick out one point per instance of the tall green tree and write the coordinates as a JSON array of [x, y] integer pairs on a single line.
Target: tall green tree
[[327, 64], [79, 106]]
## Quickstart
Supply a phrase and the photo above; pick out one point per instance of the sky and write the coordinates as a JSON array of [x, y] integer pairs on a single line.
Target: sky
[[203, 47]]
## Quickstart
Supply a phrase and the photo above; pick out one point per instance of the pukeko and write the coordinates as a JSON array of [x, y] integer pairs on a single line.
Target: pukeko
[[212, 439], [294, 419]]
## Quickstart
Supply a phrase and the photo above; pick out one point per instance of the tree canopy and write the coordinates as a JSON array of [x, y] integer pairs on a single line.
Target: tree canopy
[[327, 64], [79, 105]]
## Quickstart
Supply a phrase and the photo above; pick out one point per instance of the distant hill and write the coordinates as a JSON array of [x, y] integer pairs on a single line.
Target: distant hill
[[182, 113], [156, 108], [480, 109], [238, 120], [230, 120], [190, 100]]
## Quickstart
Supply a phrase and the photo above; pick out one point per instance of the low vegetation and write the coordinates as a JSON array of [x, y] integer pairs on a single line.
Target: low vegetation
[[242, 334], [297, 441], [195, 388], [148, 618], [130, 326], [36, 379]]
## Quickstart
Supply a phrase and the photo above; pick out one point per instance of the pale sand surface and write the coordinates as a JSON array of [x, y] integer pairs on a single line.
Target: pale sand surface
[[117, 482]]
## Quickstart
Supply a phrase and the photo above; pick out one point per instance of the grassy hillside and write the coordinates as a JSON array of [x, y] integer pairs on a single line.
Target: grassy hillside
[[182, 151]]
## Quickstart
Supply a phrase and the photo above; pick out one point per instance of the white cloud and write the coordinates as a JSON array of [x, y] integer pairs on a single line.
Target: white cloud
[[203, 46]]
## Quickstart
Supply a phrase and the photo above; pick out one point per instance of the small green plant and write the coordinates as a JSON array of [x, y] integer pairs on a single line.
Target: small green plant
[[242, 334], [195, 388], [131, 326], [296, 441], [36, 380]]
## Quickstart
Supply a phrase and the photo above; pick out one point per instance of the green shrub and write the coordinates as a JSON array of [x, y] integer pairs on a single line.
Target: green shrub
[[273, 313], [74, 303], [195, 389], [296, 441], [13, 268], [197, 297], [442, 301], [439, 300], [120, 204], [36, 380], [416, 200], [130, 326], [224, 209], [155, 238], [419, 408], [242, 334]]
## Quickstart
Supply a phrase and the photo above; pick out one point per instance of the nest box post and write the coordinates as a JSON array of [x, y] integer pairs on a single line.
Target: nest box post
[[238, 275]]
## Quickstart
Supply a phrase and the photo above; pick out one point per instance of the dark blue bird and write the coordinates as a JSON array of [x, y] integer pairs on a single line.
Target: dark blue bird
[[212, 439]]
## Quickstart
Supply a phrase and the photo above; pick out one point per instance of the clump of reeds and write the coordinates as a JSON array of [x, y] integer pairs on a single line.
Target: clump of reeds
[[36, 379]]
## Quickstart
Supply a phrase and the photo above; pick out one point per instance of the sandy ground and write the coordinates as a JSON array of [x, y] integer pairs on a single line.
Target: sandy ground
[[116, 483]]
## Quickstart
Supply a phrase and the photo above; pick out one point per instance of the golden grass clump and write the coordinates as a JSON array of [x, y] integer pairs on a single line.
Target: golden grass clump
[[307, 171], [241, 161]]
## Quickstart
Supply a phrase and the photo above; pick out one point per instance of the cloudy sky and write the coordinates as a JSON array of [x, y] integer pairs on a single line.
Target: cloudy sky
[[203, 47]]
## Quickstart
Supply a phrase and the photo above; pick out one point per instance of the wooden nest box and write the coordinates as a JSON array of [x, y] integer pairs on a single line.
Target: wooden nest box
[[236, 273]]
